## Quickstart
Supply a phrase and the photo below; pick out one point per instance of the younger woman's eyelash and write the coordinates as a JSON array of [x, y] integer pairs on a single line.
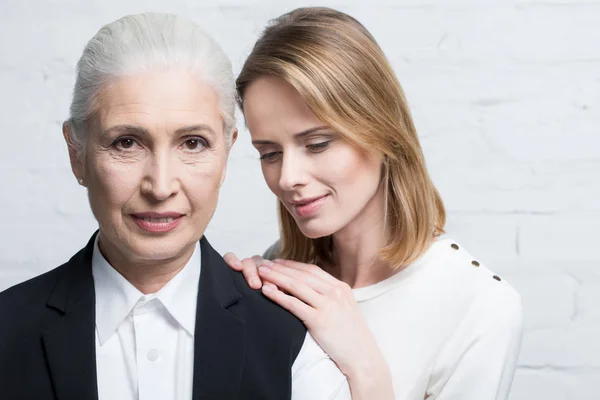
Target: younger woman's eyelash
[[319, 146], [269, 156]]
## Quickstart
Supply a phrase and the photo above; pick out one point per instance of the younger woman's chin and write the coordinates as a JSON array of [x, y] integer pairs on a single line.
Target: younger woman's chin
[[315, 233]]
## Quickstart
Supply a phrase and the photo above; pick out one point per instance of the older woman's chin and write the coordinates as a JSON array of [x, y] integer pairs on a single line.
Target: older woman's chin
[[164, 249], [140, 246]]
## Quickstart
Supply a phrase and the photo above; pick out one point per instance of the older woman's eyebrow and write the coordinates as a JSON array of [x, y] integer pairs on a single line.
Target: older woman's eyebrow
[[296, 135], [196, 128], [127, 129]]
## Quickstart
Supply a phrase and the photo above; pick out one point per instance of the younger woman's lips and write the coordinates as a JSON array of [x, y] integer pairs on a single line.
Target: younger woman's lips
[[309, 209]]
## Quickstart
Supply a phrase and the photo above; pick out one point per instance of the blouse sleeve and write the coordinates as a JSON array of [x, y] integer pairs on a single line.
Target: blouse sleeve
[[316, 377], [478, 362]]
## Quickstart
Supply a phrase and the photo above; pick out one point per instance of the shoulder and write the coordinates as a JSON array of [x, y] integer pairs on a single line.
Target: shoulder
[[483, 317], [457, 268], [265, 317], [34, 291], [257, 303], [467, 284], [23, 310], [273, 251]]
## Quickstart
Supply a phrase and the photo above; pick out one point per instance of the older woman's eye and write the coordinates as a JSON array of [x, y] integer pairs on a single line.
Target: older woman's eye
[[124, 144], [195, 144]]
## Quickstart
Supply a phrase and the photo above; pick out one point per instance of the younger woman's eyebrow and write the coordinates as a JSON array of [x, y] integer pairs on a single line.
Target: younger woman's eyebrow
[[309, 131], [296, 135]]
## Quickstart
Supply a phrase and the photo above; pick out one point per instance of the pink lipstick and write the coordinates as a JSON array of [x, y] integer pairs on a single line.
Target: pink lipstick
[[154, 222]]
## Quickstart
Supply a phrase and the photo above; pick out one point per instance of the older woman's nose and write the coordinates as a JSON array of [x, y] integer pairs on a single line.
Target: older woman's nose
[[161, 180], [293, 173]]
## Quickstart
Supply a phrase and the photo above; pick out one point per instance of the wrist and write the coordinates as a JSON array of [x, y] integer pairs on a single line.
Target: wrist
[[370, 379], [368, 365]]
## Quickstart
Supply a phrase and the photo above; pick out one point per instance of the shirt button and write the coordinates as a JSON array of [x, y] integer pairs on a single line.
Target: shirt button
[[152, 355]]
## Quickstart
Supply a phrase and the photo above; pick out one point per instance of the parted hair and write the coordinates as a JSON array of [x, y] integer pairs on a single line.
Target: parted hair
[[344, 77]]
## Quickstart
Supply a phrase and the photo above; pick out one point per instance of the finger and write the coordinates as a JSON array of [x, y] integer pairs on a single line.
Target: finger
[[311, 268], [293, 286], [300, 309], [233, 261], [311, 280], [258, 260], [251, 274]]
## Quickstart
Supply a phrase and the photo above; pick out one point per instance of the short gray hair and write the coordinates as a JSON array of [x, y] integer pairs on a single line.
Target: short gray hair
[[145, 42]]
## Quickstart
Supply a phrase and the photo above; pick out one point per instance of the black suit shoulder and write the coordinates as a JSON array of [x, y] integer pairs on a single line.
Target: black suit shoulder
[[24, 305], [29, 308], [30, 291], [265, 320], [24, 317], [268, 315], [275, 338]]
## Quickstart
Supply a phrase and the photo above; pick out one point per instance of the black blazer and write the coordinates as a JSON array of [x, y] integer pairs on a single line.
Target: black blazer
[[245, 345]]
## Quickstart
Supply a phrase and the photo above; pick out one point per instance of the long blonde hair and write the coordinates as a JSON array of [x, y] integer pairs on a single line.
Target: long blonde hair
[[347, 82]]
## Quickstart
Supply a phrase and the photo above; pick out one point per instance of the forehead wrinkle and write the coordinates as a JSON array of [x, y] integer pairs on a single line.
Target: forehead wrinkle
[[125, 102]]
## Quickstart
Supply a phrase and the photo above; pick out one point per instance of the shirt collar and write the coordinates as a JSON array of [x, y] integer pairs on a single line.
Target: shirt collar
[[116, 296], [180, 294]]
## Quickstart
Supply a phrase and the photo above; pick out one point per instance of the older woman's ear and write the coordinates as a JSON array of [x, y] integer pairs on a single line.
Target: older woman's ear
[[234, 136], [74, 156]]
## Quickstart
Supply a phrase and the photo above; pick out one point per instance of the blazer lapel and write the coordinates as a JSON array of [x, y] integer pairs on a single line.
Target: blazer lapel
[[220, 335], [70, 344]]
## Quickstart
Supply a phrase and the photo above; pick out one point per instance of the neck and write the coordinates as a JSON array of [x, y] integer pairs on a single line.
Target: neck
[[355, 247], [147, 276]]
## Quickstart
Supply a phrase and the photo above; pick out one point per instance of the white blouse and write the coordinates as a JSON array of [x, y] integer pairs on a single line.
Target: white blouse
[[449, 328]]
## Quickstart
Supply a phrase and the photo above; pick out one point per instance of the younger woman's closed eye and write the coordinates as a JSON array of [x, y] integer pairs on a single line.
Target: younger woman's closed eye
[[270, 156], [318, 147]]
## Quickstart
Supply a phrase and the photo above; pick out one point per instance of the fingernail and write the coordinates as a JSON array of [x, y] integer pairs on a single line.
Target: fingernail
[[267, 288], [237, 263], [267, 263], [264, 270], [255, 282]]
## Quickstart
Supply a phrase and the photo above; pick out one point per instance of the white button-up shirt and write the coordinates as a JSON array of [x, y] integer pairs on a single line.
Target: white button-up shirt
[[145, 343]]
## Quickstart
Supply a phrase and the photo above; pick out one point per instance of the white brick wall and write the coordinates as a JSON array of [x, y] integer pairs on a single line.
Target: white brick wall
[[506, 97]]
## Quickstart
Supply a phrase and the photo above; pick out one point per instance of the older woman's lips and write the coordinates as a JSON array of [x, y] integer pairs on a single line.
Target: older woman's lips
[[157, 222]]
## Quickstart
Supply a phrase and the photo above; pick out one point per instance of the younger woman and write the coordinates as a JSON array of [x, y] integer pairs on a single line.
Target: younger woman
[[403, 311]]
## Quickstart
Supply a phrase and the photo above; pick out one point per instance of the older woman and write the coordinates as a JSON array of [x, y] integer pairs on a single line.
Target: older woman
[[338, 147], [148, 310]]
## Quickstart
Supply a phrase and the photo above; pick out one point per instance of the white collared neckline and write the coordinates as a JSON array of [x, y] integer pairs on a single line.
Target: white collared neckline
[[116, 297]]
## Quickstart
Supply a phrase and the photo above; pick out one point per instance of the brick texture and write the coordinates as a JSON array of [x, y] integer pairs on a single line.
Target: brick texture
[[506, 98]]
